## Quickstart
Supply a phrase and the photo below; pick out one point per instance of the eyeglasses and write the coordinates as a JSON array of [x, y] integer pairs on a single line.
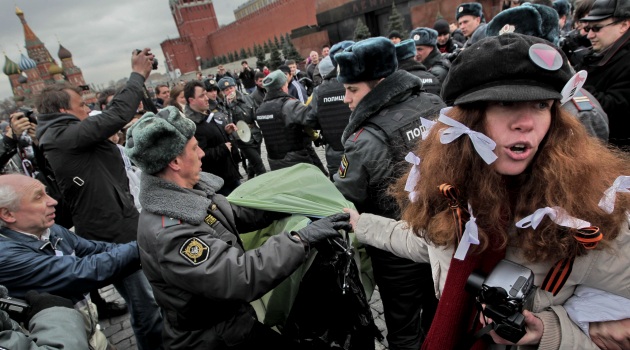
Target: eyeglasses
[[596, 29]]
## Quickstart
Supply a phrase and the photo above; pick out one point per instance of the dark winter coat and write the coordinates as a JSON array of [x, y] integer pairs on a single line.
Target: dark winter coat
[[89, 168], [609, 81], [211, 135]]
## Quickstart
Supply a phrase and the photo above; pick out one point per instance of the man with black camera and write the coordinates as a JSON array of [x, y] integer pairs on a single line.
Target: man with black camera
[[91, 176]]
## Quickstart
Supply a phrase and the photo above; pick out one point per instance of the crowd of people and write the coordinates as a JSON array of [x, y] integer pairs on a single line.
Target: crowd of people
[[496, 149]]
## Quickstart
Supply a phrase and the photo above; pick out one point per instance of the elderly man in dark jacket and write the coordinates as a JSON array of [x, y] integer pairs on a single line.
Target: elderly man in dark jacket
[[190, 245], [212, 132], [91, 175], [39, 255]]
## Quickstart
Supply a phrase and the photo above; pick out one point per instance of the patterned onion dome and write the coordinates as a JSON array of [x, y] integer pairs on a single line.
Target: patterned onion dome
[[26, 63], [22, 79], [10, 67], [54, 69], [63, 53]]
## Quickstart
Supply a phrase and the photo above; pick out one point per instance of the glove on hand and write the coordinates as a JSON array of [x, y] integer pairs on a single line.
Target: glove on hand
[[43, 301], [320, 141], [325, 228]]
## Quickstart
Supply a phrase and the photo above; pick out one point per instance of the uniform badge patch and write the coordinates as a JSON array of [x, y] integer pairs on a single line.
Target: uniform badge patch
[[343, 167], [195, 250], [168, 222], [210, 220]]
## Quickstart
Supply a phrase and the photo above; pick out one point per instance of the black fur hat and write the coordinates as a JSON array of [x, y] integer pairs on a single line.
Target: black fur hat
[[562, 7], [424, 36], [369, 59], [338, 47], [529, 69], [442, 27], [469, 8], [405, 50], [529, 19]]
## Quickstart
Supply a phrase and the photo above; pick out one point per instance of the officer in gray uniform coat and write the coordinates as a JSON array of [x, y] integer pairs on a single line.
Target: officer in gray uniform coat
[[384, 126], [328, 111], [190, 248], [405, 54]]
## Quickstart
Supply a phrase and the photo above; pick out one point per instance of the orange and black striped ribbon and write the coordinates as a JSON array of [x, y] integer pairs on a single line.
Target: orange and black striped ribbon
[[588, 237], [460, 214]]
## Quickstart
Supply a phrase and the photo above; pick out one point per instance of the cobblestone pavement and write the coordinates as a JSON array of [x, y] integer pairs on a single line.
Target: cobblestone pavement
[[118, 329]]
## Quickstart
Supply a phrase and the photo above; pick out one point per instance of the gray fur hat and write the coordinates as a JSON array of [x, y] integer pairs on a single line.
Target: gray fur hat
[[424, 36], [469, 8], [225, 83], [156, 139], [369, 59], [275, 80], [338, 47], [405, 50]]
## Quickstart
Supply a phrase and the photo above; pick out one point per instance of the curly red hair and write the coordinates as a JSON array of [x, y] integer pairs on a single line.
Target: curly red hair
[[571, 170]]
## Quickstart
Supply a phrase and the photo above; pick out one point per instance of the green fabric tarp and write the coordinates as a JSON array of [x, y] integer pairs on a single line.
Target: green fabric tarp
[[301, 190]]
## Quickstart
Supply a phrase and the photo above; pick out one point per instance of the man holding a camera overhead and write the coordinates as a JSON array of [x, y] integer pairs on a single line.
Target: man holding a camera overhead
[[91, 176]]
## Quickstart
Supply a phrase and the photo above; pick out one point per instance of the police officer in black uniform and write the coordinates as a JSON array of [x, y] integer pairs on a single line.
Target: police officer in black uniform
[[405, 53], [331, 114], [282, 119], [241, 107], [384, 126]]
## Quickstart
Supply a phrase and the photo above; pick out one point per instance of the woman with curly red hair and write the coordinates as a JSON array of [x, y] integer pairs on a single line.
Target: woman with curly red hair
[[507, 174]]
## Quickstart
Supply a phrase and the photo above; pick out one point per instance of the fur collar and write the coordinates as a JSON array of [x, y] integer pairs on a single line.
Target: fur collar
[[389, 91], [162, 197]]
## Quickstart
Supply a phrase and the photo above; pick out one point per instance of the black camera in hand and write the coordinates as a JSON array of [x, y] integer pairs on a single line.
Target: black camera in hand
[[505, 292], [155, 61], [28, 113]]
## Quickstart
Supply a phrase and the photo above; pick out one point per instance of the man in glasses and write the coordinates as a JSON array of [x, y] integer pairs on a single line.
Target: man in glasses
[[608, 28]]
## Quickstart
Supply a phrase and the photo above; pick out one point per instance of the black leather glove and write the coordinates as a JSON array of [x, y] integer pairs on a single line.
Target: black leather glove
[[43, 301], [320, 141], [325, 228]]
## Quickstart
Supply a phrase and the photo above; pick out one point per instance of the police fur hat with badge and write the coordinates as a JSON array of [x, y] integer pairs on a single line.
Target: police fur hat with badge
[[210, 85], [530, 19], [225, 83], [369, 59], [469, 8], [603, 9], [530, 69], [156, 139], [424, 36]]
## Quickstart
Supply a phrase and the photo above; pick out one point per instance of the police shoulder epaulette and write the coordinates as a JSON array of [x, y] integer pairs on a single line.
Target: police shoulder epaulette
[[582, 102], [168, 222], [356, 135]]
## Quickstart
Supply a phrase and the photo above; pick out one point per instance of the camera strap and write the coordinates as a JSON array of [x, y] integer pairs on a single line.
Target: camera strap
[[558, 275]]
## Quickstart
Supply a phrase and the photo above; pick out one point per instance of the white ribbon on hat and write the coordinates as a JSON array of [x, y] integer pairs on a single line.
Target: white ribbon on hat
[[414, 176], [470, 236], [556, 214], [482, 143], [426, 127], [622, 185]]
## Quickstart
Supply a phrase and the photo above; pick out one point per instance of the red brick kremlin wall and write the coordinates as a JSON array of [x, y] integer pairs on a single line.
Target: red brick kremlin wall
[[276, 19]]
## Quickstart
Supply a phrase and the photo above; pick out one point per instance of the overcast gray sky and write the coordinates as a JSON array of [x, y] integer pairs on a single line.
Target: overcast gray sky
[[99, 34]]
